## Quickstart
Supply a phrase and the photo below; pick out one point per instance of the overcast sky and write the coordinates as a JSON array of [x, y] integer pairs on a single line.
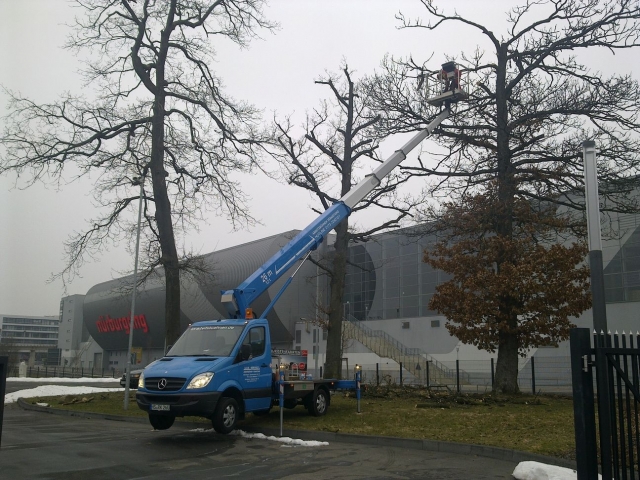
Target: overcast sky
[[275, 74]]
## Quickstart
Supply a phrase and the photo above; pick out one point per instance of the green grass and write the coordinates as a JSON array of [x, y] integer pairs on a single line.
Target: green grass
[[541, 424]]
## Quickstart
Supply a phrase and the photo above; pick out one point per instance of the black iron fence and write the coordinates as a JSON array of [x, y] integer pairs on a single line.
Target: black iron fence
[[544, 374], [610, 444]]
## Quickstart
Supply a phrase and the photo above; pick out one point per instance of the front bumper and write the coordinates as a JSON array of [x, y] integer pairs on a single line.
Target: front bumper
[[180, 404]]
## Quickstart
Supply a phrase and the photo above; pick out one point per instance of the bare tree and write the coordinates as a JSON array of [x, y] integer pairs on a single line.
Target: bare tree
[[532, 103], [338, 139], [159, 110]]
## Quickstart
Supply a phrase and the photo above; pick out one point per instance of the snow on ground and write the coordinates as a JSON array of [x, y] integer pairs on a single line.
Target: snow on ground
[[524, 470], [54, 391], [288, 441], [63, 380], [541, 471]]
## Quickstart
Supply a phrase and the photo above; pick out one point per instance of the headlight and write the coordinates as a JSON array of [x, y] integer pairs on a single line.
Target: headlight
[[141, 381], [200, 381]]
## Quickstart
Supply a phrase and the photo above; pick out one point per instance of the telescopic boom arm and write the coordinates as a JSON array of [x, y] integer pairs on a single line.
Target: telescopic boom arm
[[239, 299]]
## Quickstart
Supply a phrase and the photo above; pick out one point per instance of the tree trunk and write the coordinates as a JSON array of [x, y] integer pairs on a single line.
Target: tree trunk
[[506, 380], [336, 308], [164, 221], [507, 366]]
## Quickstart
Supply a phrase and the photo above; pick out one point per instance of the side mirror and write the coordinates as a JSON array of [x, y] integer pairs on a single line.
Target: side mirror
[[245, 352]]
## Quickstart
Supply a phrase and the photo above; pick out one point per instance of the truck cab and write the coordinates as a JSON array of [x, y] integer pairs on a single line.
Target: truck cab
[[219, 369]]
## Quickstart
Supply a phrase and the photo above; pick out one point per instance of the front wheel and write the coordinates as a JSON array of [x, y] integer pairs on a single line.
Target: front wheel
[[319, 402], [226, 415], [161, 422]]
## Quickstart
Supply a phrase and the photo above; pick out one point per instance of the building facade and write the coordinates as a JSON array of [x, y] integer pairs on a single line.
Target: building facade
[[388, 289], [27, 338]]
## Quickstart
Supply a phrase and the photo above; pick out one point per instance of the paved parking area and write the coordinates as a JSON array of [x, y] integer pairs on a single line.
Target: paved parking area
[[43, 446]]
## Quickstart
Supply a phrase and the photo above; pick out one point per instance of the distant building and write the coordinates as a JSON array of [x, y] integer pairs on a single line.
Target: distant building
[[29, 338], [77, 348], [387, 292]]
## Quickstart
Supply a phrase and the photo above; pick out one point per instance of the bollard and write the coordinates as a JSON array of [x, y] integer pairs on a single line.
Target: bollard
[[377, 376], [401, 374], [281, 387], [358, 378]]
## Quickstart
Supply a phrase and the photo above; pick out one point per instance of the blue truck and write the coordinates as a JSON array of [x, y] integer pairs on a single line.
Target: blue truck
[[222, 369]]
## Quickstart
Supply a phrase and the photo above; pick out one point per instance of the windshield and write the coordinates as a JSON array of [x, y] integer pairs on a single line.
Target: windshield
[[209, 340]]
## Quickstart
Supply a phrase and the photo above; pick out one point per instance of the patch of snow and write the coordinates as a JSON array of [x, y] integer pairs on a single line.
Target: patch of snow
[[288, 441], [542, 471], [63, 379], [42, 404], [54, 391]]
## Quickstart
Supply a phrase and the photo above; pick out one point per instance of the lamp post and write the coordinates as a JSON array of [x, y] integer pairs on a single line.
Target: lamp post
[[136, 181], [599, 307]]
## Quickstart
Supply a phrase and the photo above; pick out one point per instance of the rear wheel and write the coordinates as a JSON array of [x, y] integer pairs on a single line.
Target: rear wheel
[[226, 415], [161, 422], [319, 402]]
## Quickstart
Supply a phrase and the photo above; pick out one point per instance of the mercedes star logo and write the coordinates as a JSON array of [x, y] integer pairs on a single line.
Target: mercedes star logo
[[162, 384]]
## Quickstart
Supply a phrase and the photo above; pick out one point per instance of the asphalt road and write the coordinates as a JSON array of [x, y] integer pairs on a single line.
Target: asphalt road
[[43, 446]]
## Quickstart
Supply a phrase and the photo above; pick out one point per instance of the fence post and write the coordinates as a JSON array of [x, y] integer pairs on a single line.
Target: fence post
[[377, 375], [458, 375], [492, 374], [38, 372], [533, 375], [428, 384], [400, 373], [605, 396], [583, 404]]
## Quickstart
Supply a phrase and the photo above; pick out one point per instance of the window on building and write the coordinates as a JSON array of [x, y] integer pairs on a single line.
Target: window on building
[[298, 336]]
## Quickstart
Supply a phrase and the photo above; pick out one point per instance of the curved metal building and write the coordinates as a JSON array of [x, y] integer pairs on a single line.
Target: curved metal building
[[107, 305]]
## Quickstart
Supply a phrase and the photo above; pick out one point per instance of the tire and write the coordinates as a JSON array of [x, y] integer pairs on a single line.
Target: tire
[[226, 415], [161, 422], [319, 402]]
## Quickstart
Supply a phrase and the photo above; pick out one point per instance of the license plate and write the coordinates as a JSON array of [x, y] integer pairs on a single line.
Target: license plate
[[159, 408]]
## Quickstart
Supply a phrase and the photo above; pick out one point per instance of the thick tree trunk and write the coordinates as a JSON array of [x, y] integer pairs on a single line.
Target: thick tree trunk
[[506, 380], [169, 259], [336, 309]]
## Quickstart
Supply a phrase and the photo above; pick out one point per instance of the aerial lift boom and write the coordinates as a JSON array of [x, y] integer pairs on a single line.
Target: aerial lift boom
[[238, 300]]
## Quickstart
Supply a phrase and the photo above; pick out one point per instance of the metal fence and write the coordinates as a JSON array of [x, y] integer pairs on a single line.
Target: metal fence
[[536, 375]]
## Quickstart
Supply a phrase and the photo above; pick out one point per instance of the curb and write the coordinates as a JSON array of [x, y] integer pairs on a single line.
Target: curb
[[497, 453]]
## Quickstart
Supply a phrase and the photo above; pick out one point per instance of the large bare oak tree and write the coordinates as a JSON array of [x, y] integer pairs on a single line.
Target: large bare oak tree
[[157, 110], [532, 103], [338, 141]]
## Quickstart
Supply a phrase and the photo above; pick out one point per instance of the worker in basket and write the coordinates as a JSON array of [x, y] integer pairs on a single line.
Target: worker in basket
[[450, 77]]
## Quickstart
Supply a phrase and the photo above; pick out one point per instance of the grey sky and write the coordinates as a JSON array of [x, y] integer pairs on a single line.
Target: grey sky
[[275, 73]]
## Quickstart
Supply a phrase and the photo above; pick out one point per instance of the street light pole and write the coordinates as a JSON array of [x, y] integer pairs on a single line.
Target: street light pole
[[599, 307], [136, 181]]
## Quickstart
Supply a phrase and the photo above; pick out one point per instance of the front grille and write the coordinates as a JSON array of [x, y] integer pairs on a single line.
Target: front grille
[[173, 384]]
